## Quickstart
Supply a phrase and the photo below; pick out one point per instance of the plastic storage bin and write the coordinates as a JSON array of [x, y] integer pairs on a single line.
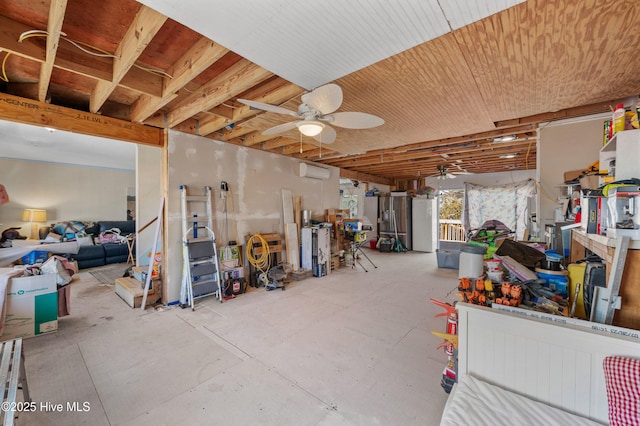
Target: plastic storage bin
[[448, 259], [471, 261]]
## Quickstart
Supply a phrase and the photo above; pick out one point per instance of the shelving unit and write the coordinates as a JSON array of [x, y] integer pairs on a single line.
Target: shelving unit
[[629, 313], [627, 165]]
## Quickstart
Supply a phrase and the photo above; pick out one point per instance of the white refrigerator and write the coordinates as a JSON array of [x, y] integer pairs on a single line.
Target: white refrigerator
[[425, 224]]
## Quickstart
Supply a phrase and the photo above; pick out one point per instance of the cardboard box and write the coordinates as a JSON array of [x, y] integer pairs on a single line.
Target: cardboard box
[[573, 175], [32, 307], [131, 291], [590, 182]]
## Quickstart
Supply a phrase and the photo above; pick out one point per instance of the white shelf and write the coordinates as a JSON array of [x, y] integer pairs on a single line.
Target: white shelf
[[611, 145], [627, 164]]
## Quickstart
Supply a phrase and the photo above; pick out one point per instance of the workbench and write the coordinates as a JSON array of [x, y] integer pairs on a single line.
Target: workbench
[[629, 313]]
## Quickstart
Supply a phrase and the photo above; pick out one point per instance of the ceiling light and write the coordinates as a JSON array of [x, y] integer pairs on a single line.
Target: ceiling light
[[509, 156], [506, 138], [310, 128]]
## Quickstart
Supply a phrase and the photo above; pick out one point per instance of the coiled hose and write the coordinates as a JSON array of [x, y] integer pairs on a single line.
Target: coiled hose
[[263, 262]]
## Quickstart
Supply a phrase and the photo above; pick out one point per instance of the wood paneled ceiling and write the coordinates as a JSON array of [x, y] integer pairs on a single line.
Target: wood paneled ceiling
[[443, 101]]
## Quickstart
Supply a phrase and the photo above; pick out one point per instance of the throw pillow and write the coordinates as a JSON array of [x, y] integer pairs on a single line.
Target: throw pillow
[[85, 241], [622, 376]]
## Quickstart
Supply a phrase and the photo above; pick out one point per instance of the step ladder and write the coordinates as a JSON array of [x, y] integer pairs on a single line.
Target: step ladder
[[200, 275]]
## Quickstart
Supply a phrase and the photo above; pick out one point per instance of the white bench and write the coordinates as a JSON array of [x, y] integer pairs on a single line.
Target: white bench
[[12, 374]]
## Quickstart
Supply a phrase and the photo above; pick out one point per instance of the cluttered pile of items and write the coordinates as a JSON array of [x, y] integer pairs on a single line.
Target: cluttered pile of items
[[37, 294], [517, 275]]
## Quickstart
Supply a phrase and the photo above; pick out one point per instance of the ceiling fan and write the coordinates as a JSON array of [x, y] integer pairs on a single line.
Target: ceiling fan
[[316, 113], [443, 172]]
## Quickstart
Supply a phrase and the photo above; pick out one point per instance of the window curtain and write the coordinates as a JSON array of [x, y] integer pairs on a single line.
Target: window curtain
[[506, 203]]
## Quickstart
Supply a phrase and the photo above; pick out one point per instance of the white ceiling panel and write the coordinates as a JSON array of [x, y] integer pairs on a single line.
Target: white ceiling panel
[[310, 43], [314, 43], [463, 12]]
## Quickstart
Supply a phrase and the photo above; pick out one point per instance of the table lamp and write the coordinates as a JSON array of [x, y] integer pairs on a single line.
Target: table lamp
[[34, 216]]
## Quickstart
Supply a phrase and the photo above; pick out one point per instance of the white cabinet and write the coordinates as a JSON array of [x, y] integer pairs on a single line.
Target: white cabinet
[[624, 149]]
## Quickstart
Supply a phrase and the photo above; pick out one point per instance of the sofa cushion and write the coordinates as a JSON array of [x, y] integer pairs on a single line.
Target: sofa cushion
[[126, 227], [90, 256], [89, 252], [115, 252]]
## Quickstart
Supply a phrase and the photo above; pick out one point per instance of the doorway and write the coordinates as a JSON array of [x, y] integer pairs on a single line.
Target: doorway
[[450, 208]]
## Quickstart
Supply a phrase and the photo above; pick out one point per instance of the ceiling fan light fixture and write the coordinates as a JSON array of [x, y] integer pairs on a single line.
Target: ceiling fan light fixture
[[507, 156], [310, 128]]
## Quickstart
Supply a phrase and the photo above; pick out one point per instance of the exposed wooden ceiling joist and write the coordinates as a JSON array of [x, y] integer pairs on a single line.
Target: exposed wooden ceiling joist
[[146, 24], [442, 101]]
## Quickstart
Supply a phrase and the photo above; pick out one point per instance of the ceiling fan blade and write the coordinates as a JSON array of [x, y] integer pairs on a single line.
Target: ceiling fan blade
[[268, 107], [325, 99], [328, 135], [280, 128], [450, 176], [355, 120], [462, 173]]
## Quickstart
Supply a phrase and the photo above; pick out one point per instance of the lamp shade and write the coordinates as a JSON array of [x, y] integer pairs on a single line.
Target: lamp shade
[[310, 128], [34, 215]]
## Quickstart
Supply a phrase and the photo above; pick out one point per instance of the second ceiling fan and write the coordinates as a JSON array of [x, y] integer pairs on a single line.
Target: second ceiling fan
[[317, 115], [444, 173]]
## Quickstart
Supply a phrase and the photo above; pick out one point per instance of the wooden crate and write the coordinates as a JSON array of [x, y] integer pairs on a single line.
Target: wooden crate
[[274, 241], [131, 291]]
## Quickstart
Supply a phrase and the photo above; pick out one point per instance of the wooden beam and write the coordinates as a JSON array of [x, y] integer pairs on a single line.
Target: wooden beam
[[70, 59], [10, 30], [275, 97], [257, 137], [579, 111], [38, 113], [54, 28], [276, 143], [232, 81], [365, 177], [395, 160], [294, 148], [146, 24], [387, 153], [198, 58]]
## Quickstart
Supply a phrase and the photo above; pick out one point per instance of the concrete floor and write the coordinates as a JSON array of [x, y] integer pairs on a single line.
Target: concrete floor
[[353, 348]]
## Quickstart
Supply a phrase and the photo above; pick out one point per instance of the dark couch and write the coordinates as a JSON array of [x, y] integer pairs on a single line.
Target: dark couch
[[101, 254]]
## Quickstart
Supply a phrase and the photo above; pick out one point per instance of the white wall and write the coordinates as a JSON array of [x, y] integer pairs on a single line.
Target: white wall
[[67, 192], [564, 146], [255, 178]]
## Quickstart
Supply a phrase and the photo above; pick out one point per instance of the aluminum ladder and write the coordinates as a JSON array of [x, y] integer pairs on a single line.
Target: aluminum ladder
[[201, 268]]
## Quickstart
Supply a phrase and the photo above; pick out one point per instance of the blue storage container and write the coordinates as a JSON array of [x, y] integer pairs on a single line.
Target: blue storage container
[[35, 256], [557, 281]]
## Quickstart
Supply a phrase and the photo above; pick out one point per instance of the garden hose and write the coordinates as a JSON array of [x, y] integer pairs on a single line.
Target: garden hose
[[263, 262]]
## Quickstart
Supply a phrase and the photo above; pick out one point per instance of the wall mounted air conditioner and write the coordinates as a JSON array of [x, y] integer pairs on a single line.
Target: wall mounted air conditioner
[[307, 170]]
